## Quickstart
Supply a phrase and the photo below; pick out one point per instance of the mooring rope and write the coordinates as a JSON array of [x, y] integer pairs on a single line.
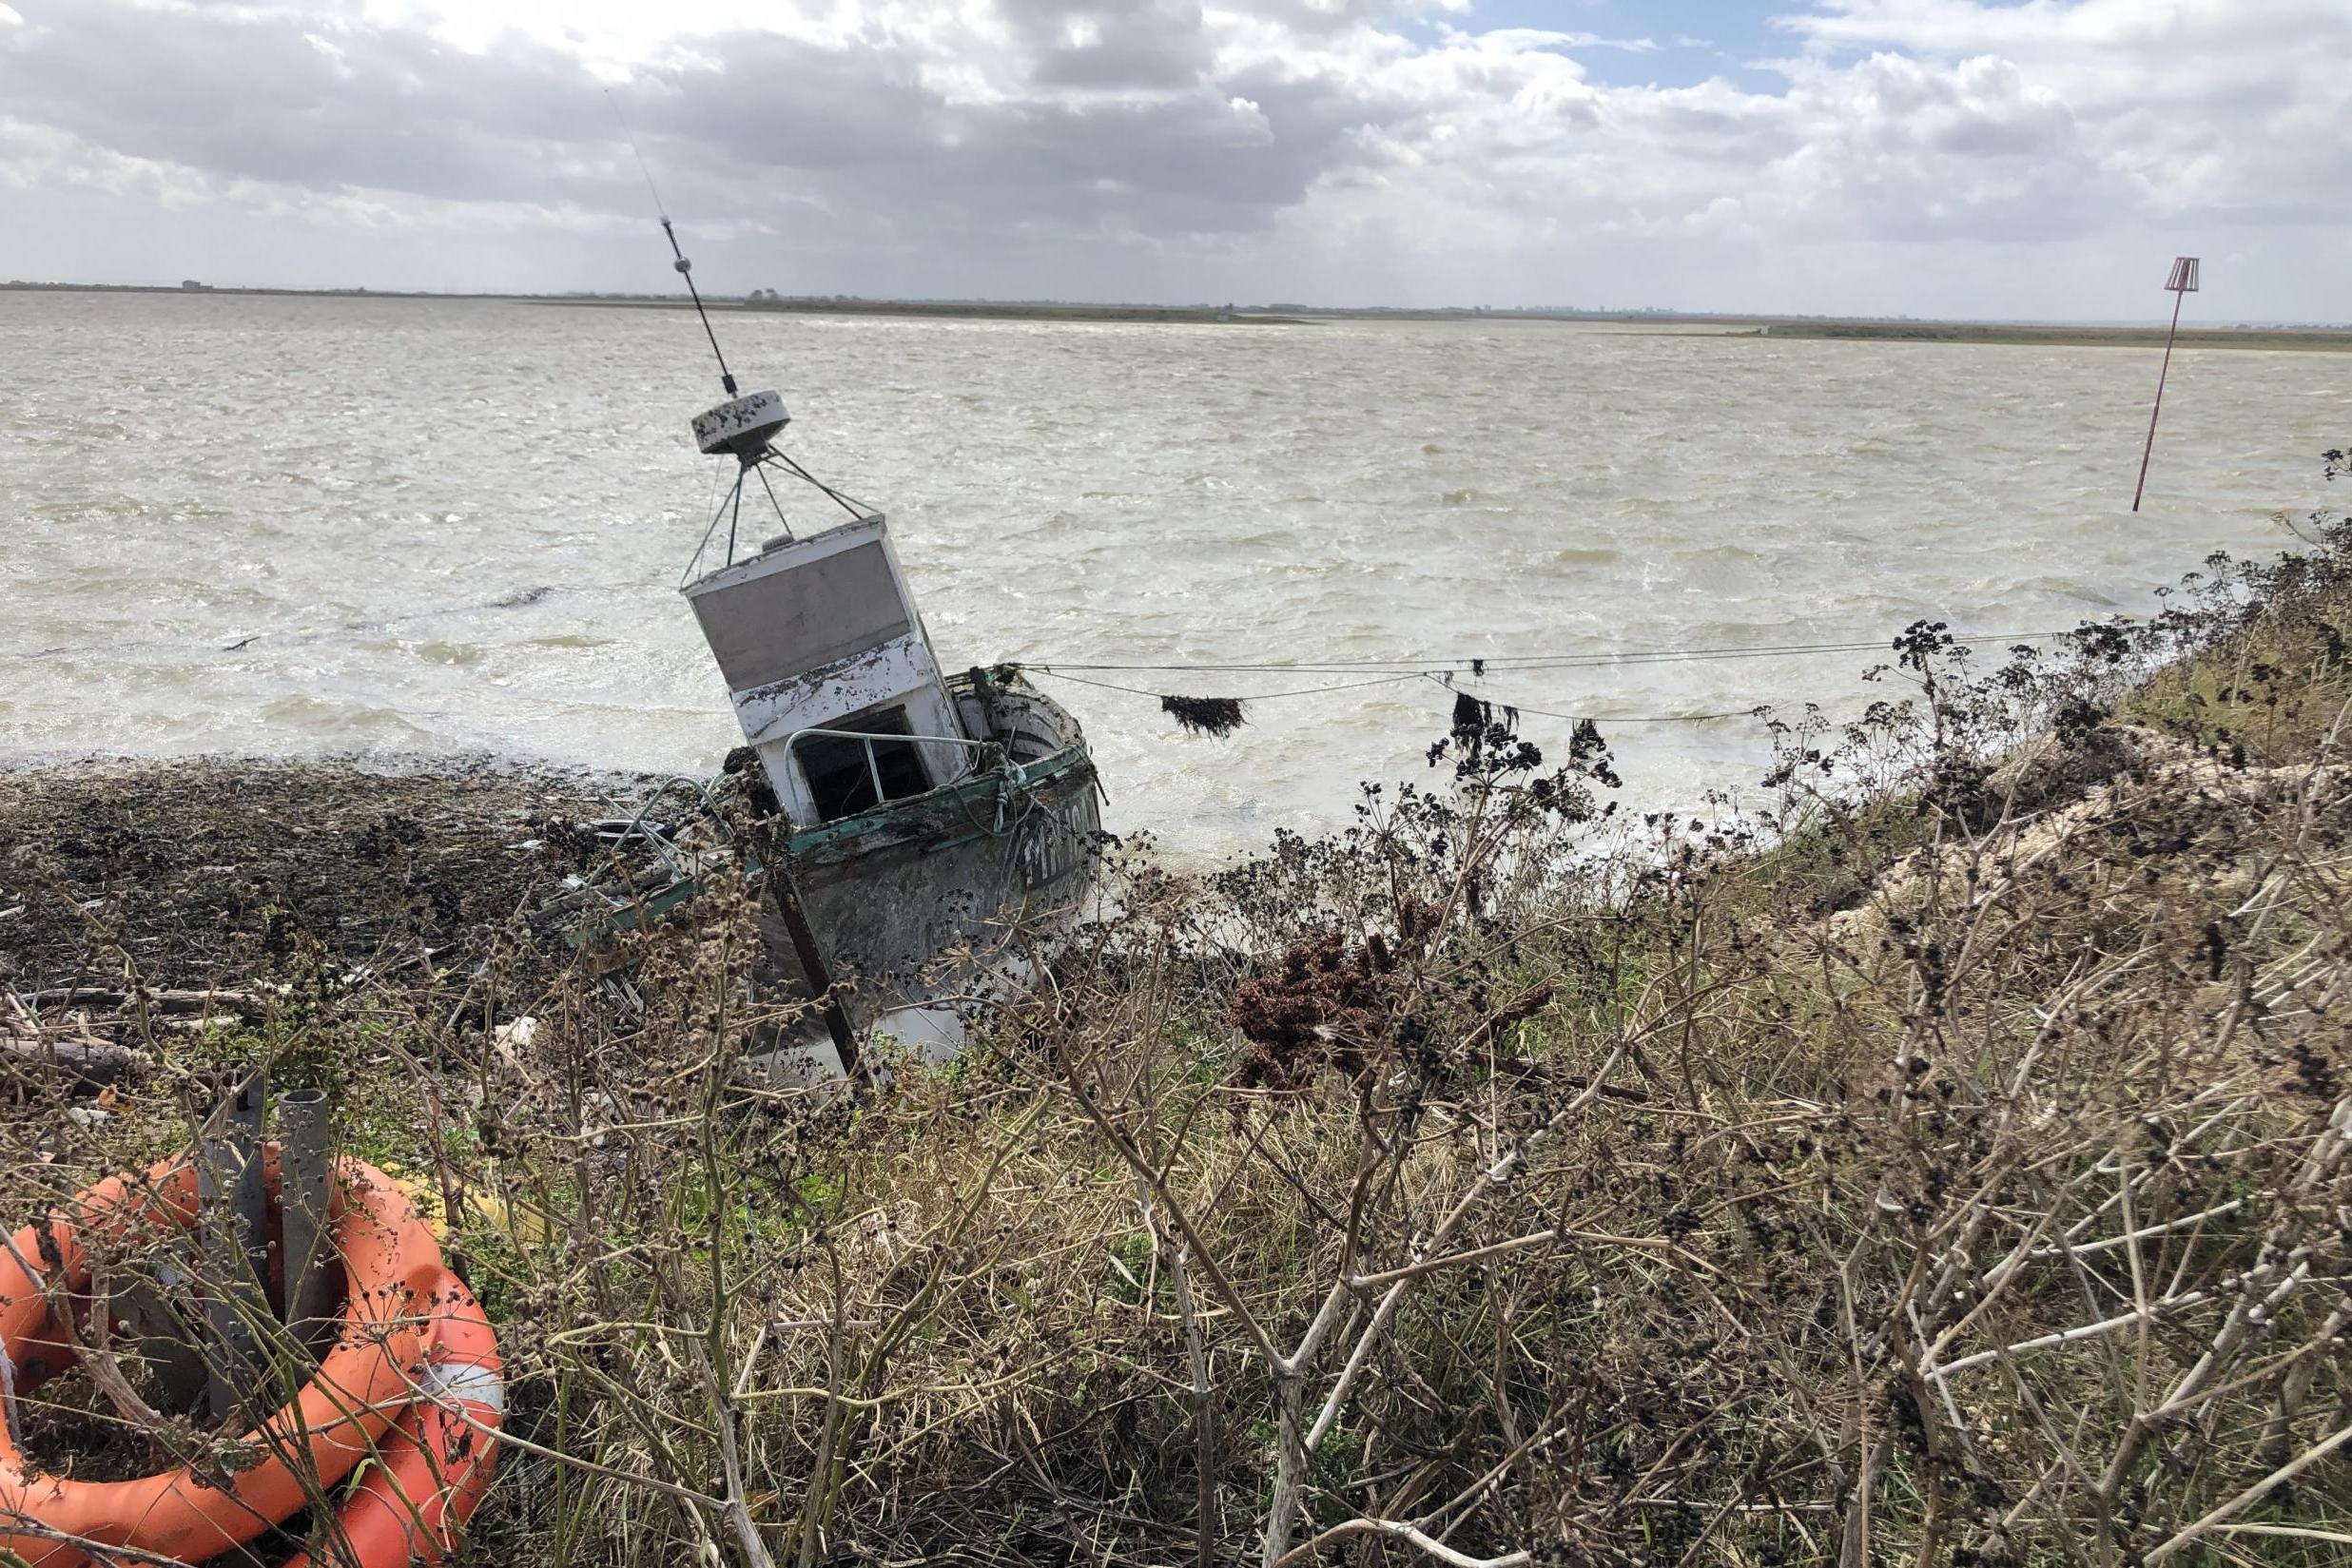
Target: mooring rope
[[1615, 718], [1445, 673], [1259, 697], [1441, 678], [1481, 663]]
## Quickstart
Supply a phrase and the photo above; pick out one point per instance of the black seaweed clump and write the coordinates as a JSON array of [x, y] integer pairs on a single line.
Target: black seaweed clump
[[1205, 715]]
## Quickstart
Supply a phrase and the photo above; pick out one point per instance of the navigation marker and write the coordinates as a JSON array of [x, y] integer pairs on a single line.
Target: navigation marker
[[2183, 283]]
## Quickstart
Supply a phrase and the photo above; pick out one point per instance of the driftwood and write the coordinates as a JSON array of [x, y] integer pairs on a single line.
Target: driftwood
[[242, 1003], [69, 1049], [83, 1059]]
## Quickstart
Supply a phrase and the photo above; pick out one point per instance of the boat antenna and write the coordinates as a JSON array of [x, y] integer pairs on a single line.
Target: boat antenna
[[686, 268], [742, 427]]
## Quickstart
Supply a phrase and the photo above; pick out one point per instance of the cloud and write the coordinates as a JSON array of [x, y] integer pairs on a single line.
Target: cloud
[[1088, 115], [2188, 108], [1126, 149]]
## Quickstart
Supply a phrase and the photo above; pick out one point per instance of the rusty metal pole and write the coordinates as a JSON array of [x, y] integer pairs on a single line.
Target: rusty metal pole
[[813, 964], [775, 853], [2183, 283]]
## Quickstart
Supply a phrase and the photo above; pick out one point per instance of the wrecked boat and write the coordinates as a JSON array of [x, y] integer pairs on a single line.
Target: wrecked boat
[[920, 825]]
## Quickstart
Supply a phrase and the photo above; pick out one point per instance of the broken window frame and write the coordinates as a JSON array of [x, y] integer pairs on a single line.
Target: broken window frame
[[894, 770]]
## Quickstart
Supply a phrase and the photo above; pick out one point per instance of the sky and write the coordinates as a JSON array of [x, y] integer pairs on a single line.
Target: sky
[[2028, 159]]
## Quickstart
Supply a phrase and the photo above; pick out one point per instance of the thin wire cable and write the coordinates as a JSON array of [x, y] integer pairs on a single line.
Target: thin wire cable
[[1535, 662], [782, 520], [1443, 679], [1611, 718], [1445, 675], [848, 503], [1259, 697], [694, 560], [660, 208]]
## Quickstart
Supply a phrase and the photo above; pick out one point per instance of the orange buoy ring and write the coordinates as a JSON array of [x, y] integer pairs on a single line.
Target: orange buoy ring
[[438, 1461], [412, 1382]]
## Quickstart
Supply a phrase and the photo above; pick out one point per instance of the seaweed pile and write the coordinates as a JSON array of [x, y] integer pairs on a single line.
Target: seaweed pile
[[200, 872]]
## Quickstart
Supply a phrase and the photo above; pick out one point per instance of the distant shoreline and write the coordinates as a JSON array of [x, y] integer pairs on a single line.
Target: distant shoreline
[[981, 310], [2304, 340], [977, 309], [1855, 329]]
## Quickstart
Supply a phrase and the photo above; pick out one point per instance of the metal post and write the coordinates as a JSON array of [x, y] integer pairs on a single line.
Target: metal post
[[306, 1257], [985, 687], [233, 1212], [161, 1339], [2183, 283], [784, 887]]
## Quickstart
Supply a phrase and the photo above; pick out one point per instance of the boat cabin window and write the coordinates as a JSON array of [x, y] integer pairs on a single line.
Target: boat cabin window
[[844, 775]]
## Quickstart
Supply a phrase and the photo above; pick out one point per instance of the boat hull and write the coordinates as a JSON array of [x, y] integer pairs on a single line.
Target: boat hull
[[926, 907]]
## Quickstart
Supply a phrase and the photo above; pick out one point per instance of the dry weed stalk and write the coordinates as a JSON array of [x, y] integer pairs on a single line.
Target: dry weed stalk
[[1947, 1165]]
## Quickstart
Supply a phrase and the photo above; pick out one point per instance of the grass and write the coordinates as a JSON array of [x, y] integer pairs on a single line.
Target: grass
[[1940, 1166]]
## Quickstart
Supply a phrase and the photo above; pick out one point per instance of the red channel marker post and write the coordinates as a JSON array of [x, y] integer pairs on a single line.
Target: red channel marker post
[[2182, 284]]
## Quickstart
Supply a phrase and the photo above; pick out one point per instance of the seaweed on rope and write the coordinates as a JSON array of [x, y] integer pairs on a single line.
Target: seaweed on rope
[[1219, 716]]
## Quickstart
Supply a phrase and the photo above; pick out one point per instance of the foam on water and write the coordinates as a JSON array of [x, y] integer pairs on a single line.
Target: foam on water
[[282, 524]]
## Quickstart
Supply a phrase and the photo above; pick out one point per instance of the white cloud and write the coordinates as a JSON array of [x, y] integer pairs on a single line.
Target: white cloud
[[1324, 148]]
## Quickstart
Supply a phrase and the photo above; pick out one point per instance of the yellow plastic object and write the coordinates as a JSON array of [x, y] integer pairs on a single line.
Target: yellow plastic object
[[522, 1227]]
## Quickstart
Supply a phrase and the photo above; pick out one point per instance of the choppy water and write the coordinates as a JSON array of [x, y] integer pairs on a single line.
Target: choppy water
[[283, 525]]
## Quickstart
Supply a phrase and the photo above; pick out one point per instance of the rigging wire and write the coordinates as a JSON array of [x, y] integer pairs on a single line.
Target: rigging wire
[[1534, 660], [848, 503], [1260, 697], [685, 267], [1441, 678], [1616, 718], [1445, 674], [661, 208]]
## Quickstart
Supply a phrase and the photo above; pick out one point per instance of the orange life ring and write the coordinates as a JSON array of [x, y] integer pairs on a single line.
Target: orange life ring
[[439, 1460], [409, 1330]]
